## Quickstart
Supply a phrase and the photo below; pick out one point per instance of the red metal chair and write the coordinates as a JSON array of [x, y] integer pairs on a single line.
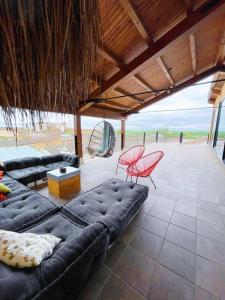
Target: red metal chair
[[130, 156], [145, 165]]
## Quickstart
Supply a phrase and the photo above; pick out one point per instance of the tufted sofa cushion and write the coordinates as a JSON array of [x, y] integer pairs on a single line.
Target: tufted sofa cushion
[[23, 210], [70, 265], [48, 159], [60, 160], [113, 203], [5, 178], [21, 163], [28, 175], [15, 187]]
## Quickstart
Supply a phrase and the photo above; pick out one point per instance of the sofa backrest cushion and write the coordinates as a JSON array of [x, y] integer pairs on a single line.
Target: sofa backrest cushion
[[45, 160], [21, 163]]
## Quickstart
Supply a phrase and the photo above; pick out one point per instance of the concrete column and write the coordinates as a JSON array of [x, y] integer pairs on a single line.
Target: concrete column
[[78, 136]]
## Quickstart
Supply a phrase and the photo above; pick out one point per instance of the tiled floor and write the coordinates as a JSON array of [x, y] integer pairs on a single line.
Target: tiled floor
[[175, 247]]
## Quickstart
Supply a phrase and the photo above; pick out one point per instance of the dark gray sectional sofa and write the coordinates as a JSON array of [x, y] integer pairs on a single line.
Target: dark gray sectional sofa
[[31, 169], [87, 225]]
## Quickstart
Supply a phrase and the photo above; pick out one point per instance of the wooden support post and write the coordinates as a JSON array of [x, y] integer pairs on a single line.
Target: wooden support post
[[123, 129], [78, 136]]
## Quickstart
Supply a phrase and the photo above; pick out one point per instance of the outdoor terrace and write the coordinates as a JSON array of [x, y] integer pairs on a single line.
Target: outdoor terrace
[[174, 248]]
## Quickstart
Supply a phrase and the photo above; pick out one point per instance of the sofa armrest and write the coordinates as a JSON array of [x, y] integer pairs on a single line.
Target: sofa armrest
[[73, 159]]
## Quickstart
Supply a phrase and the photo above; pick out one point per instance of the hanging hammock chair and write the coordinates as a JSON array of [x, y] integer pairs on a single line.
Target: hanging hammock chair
[[102, 140]]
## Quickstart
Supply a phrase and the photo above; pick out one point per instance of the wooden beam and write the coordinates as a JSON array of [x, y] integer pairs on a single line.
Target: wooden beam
[[109, 56], [189, 6], [165, 71], [138, 23], [123, 134], [99, 111], [144, 83], [220, 55], [124, 93], [184, 84], [78, 136], [118, 106], [193, 22], [193, 53]]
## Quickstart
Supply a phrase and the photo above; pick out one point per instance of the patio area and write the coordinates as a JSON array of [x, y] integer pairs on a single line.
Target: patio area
[[174, 248]]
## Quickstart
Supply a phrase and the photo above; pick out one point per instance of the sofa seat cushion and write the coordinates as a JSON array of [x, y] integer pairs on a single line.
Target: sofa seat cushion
[[5, 177], [23, 210], [67, 268], [15, 187], [57, 165], [28, 175], [113, 203]]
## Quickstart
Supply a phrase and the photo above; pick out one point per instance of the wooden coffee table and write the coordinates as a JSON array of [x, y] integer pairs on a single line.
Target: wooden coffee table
[[63, 185]]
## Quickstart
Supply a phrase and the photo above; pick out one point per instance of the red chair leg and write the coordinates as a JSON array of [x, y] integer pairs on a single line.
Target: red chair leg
[[152, 181]]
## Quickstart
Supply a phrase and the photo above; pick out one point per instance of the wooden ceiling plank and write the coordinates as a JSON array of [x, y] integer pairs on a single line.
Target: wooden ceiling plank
[[144, 83], [220, 56], [109, 56], [165, 71], [138, 23], [182, 85], [117, 105], [124, 93], [189, 6], [193, 22], [193, 53]]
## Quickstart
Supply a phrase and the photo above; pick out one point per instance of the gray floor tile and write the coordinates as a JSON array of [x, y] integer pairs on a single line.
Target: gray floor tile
[[114, 254], [186, 209], [116, 289], [91, 290], [147, 243], [206, 205], [211, 249], [210, 217], [184, 221], [161, 213], [203, 295], [136, 269], [166, 285], [154, 225], [178, 260], [166, 203], [212, 231], [211, 277], [181, 237]]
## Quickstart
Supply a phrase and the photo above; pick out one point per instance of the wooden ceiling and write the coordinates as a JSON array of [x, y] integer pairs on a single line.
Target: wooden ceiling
[[148, 45], [216, 87]]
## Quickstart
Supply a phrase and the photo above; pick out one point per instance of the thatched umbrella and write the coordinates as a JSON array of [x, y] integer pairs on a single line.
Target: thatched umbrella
[[47, 55]]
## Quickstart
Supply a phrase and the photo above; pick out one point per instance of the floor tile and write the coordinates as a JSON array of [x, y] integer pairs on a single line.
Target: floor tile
[[166, 203], [209, 217], [91, 290], [114, 254], [181, 237], [211, 249], [212, 231], [186, 209], [167, 285], [147, 243], [178, 260], [161, 213], [206, 205], [211, 277], [154, 225], [136, 269], [184, 221], [116, 289], [203, 295]]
